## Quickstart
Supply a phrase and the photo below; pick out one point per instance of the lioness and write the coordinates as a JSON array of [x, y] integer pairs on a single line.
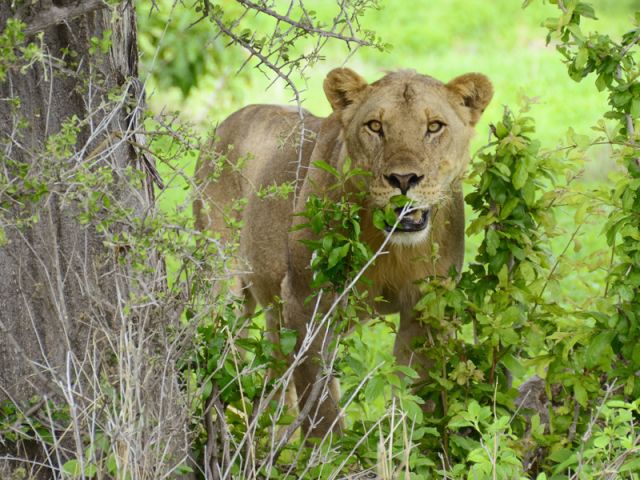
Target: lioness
[[412, 133]]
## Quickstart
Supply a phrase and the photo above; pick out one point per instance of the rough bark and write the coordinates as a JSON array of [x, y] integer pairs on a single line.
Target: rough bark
[[59, 283], [49, 273]]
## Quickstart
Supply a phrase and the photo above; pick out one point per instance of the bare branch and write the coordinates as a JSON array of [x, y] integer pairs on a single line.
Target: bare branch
[[305, 26], [258, 54], [56, 15]]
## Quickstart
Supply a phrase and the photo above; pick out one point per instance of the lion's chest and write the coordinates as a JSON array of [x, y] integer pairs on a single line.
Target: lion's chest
[[395, 279]]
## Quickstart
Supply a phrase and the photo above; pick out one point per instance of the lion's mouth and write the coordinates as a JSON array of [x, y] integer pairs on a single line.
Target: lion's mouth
[[414, 220]]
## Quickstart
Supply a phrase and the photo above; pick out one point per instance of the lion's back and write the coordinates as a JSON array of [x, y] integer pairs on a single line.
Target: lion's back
[[255, 149]]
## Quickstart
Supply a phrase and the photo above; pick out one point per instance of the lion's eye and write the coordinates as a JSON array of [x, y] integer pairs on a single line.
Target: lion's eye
[[375, 126], [434, 127]]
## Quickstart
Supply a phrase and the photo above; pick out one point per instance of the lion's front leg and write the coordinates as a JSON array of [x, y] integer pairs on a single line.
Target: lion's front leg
[[411, 334], [317, 390]]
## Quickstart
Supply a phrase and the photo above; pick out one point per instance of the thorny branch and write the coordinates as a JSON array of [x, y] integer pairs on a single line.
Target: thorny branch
[[256, 52], [277, 50], [307, 26]]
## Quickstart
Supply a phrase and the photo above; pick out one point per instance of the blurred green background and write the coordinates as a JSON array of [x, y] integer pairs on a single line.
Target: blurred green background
[[195, 73], [190, 71]]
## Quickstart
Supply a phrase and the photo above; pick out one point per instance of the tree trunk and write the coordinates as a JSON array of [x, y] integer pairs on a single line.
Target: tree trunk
[[61, 285]]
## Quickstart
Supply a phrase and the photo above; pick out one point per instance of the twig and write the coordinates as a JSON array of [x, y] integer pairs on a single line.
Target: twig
[[306, 27], [561, 6], [574, 423], [212, 469], [553, 269], [589, 432], [631, 44], [258, 54]]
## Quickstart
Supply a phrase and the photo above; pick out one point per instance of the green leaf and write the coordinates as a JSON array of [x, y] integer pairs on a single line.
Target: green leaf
[[478, 456], [478, 413], [585, 10], [561, 455], [520, 175], [400, 200], [580, 394], [498, 260], [230, 368], [581, 58], [414, 412], [361, 248], [112, 465], [90, 470], [288, 339], [599, 350], [511, 204], [635, 108], [492, 241], [390, 217], [581, 213], [322, 165], [464, 442], [514, 365], [621, 99], [529, 193], [420, 432], [73, 468], [503, 170], [378, 220], [183, 469], [327, 243], [249, 386], [346, 166], [601, 441], [207, 389], [338, 254], [408, 371], [374, 388], [317, 222], [577, 32]]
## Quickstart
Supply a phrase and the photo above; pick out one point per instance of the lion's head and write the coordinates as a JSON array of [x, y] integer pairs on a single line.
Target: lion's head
[[412, 133]]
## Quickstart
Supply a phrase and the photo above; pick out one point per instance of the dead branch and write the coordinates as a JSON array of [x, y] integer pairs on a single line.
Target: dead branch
[[307, 27], [56, 15]]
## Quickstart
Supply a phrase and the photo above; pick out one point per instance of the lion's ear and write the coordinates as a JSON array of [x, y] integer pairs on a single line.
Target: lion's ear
[[476, 92], [342, 87]]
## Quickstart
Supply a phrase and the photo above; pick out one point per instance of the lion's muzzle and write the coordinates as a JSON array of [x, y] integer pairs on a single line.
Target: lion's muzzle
[[413, 220]]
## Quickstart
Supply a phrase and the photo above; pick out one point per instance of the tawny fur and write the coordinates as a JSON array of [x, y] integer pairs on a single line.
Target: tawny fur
[[270, 252]]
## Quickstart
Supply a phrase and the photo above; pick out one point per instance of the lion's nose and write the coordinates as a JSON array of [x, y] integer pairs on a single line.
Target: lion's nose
[[403, 181]]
